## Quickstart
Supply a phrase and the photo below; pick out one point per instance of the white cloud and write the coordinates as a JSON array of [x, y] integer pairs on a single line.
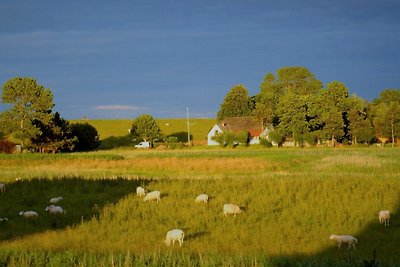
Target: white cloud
[[117, 107]]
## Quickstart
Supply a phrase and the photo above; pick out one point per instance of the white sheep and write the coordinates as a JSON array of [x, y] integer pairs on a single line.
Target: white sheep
[[140, 191], [55, 209], [351, 241], [3, 219], [384, 217], [174, 235], [153, 195], [55, 200], [2, 188], [202, 198], [28, 214], [231, 209]]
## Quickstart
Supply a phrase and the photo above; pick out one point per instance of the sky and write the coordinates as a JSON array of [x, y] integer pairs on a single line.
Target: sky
[[120, 59]]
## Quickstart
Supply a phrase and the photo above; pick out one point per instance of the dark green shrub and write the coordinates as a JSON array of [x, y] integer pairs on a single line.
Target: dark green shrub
[[88, 137]]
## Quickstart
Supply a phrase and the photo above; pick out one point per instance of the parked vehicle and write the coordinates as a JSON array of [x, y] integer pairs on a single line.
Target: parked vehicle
[[143, 145]]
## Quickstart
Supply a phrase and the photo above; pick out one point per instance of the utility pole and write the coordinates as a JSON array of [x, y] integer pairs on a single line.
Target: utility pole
[[188, 124]]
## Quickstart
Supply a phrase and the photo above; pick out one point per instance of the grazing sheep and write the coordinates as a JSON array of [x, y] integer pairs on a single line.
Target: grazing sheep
[[140, 191], [202, 198], [384, 217], [3, 219], [18, 179], [153, 195], [2, 188], [55, 200], [55, 209], [231, 209], [350, 240], [174, 235], [28, 214]]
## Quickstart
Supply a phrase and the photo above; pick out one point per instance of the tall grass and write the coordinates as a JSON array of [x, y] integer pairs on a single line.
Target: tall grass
[[292, 200]]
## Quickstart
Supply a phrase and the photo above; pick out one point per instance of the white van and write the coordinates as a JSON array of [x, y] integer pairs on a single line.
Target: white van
[[143, 145]]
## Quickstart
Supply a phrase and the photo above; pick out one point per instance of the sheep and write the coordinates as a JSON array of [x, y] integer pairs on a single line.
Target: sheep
[[140, 191], [3, 219], [2, 188], [28, 214], [231, 209], [55, 200], [350, 240], [384, 217], [153, 195], [174, 235], [202, 198], [55, 209]]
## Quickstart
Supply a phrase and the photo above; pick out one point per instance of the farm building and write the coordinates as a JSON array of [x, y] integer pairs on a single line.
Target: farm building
[[236, 125]]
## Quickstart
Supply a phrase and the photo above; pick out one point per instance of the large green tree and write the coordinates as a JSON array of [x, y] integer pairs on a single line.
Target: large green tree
[[331, 109], [56, 136], [145, 127], [386, 114], [297, 80], [30, 101], [359, 124], [237, 103]]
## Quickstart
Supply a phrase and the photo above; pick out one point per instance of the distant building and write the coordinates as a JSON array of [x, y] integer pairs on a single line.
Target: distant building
[[237, 125]]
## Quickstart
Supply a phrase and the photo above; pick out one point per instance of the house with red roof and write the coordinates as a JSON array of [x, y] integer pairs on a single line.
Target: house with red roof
[[237, 125]]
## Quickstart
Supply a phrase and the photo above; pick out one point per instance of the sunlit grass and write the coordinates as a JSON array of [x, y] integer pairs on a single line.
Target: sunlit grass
[[293, 199]]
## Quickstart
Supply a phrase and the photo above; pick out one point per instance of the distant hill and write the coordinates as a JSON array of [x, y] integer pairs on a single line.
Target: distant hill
[[116, 131]]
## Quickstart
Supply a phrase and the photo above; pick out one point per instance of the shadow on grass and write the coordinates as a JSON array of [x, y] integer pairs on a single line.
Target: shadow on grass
[[116, 141], [369, 248], [82, 200]]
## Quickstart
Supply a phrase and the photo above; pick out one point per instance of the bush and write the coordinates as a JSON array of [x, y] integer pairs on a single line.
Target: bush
[[6, 147], [265, 142], [172, 142], [88, 137]]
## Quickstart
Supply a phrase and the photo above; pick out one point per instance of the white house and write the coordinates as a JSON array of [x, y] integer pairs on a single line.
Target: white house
[[238, 124]]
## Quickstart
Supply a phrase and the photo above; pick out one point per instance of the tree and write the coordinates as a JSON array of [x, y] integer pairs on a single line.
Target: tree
[[386, 114], [293, 117], [145, 127], [87, 135], [263, 111], [359, 124], [55, 136], [30, 102], [297, 80], [332, 108], [237, 103]]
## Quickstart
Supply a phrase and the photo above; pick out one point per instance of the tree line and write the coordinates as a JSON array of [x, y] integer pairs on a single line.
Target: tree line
[[299, 108]]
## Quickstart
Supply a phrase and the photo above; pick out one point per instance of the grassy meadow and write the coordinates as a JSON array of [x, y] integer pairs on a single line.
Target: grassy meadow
[[115, 132], [292, 201]]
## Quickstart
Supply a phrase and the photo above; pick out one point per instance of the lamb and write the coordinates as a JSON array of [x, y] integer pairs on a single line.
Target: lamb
[[153, 195], [140, 191], [2, 188], [55, 200], [174, 235], [28, 214], [202, 198], [350, 240], [55, 209], [384, 217], [231, 209]]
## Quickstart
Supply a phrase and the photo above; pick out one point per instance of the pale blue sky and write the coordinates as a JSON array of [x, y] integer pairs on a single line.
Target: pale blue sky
[[120, 59]]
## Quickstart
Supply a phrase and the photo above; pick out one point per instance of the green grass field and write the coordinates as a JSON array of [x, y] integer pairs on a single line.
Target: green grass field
[[115, 132], [292, 200]]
